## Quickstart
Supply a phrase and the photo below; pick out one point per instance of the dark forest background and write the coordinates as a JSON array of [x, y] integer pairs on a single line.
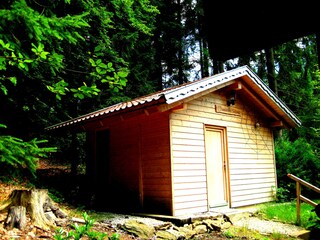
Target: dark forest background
[[65, 58]]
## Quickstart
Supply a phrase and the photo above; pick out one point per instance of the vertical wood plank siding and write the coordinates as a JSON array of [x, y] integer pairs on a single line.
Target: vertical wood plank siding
[[140, 158], [250, 151]]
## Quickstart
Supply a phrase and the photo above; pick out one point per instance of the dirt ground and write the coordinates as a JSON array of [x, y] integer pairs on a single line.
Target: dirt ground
[[59, 176]]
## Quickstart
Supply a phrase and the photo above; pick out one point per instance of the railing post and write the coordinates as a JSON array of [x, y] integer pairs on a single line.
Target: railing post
[[298, 192], [300, 198]]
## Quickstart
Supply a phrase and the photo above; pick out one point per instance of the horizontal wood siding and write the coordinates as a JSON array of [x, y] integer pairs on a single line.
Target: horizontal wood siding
[[124, 166], [189, 165], [250, 152], [156, 165], [140, 170]]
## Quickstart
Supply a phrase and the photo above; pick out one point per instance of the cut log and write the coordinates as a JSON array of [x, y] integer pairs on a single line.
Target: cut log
[[36, 202], [16, 218]]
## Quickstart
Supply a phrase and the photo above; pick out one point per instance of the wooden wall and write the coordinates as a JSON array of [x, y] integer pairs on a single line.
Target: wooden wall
[[156, 167], [250, 151], [124, 165], [138, 176]]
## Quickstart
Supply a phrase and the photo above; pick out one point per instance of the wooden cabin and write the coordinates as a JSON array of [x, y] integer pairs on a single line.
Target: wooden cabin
[[187, 149]]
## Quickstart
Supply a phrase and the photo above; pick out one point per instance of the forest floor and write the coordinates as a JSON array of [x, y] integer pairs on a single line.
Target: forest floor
[[57, 178]]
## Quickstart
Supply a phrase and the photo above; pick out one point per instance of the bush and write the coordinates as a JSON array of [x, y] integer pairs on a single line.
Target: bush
[[297, 158], [16, 155], [84, 230]]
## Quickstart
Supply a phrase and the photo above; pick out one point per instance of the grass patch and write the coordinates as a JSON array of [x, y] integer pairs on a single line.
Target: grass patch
[[238, 233], [99, 216], [286, 212], [241, 232]]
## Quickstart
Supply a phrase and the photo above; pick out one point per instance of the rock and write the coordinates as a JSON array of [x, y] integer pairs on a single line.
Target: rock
[[199, 229], [187, 232], [226, 225], [139, 229], [32, 235], [239, 216], [61, 222], [188, 226], [161, 234], [50, 216], [175, 232], [165, 226], [303, 234], [59, 213], [213, 224]]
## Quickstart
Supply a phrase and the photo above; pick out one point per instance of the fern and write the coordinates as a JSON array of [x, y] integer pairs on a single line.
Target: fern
[[16, 154]]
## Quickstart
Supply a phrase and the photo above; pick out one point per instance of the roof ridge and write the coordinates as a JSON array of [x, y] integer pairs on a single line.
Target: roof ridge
[[186, 90]]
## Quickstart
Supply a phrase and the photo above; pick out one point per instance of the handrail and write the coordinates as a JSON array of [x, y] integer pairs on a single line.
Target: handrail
[[300, 198]]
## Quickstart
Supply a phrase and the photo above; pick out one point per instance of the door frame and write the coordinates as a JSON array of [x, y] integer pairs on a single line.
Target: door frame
[[225, 162]]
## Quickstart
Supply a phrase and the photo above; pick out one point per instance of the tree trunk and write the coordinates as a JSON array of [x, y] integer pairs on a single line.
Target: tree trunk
[[273, 84], [16, 218], [37, 203]]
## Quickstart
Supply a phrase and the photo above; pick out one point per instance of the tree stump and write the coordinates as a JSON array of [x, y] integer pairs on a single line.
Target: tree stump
[[36, 202], [16, 218]]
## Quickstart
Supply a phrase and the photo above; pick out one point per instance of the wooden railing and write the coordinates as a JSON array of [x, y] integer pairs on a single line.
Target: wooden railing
[[300, 198]]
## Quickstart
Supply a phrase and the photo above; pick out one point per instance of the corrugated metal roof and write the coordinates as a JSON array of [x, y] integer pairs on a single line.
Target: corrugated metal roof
[[110, 109], [177, 93]]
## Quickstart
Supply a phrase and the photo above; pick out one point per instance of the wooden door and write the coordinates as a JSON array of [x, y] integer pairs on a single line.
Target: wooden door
[[216, 166]]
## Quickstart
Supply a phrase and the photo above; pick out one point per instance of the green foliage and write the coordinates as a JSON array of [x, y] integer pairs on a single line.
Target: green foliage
[[281, 194], [82, 231], [71, 50], [116, 82], [16, 154], [60, 88], [56, 196], [47, 36], [297, 158], [50, 49], [103, 73], [314, 221], [286, 212], [228, 234], [40, 29]]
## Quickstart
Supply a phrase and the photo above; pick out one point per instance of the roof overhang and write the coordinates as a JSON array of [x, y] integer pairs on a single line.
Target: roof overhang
[[259, 94], [243, 78]]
